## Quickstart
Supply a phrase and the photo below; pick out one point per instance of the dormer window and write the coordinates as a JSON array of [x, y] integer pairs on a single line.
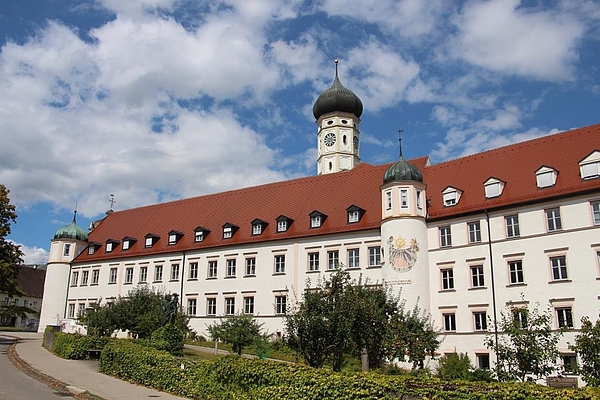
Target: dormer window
[[128, 242], [354, 214], [281, 226], [589, 167], [316, 219], [151, 240], [546, 177], [174, 237], [283, 223], [111, 244], [92, 247], [229, 230], [200, 234], [258, 227], [451, 196], [493, 188]]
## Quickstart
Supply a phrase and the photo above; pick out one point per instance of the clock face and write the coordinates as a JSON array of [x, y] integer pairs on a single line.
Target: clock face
[[329, 139], [355, 140]]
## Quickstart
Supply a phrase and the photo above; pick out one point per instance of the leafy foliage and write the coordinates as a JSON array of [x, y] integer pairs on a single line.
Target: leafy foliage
[[10, 253], [455, 366], [239, 330], [75, 347], [169, 338], [526, 345], [587, 346]]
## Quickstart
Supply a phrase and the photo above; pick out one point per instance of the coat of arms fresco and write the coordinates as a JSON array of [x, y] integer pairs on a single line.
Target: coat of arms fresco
[[402, 255]]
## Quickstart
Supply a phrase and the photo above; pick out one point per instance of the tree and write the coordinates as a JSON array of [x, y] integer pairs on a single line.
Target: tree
[[587, 346], [10, 253], [526, 345], [239, 330]]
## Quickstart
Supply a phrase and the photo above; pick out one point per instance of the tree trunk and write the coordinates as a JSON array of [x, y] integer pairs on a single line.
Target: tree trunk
[[364, 359]]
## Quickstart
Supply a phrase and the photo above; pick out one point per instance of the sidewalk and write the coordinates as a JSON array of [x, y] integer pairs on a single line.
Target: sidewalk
[[77, 376]]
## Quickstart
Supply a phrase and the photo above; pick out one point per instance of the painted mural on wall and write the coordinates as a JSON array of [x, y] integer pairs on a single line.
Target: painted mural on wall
[[402, 254]]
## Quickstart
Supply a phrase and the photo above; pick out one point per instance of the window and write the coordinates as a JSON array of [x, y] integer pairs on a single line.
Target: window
[[564, 317], [194, 270], [91, 249], [353, 258], [559, 268], [129, 275], [81, 310], [449, 322], [483, 361], [74, 278], [590, 166], [280, 304], [333, 259], [596, 212], [280, 264], [71, 311], [445, 236], [388, 200], [281, 226], [403, 198], [143, 274], [315, 221], [174, 272], [419, 206], [212, 269], [374, 256], [211, 306], [313, 261], [480, 318], [231, 267], [229, 230], [474, 232], [112, 278], [545, 177], [250, 266], [125, 245], [256, 229], [569, 363], [451, 196], [249, 305], [447, 279], [477, 279], [25, 303], [191, 307], [515, 272], [35, 304], [148, 242], [553, 219], [84, 278], [200, 233], [520, 316], [229, 305], [109, 247], [151, 239], [353, 216], [95, 276], [172, 239], [227, 233], [67, 249], [158, 273], [493, 188], [512, 226]]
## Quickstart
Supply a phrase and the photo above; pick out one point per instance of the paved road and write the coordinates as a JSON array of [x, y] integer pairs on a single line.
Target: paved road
[[16, 385]]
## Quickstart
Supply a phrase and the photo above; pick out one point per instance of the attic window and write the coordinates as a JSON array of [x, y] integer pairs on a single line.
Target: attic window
[[128, 242], [151, 239], [590, 166], [258, 227], [493, 188], [92, 247], [545, 177], [283, 223], [316, 219], [354, 214], [174, 237], [451, 196], [111, 244], [200, 233], [229, 230]]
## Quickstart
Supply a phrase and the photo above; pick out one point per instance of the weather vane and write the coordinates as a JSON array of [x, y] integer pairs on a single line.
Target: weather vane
[[400, 140]]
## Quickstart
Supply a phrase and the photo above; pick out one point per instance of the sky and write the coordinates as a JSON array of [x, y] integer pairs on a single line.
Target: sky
[[156, 100]]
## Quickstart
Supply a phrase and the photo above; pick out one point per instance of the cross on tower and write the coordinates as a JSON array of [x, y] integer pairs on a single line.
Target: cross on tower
[[112, 201]]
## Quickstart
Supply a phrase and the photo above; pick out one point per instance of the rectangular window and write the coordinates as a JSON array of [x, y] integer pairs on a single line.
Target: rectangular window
[[256, 229], [474, 232], [67, 249], [25, 303], [388, 200], [172, 239], [353, 258], [596, 212], [149, 242], [191, 307], [280, 304], [250, 266], [158, 273], [483, 361], [109, 247], [212, 269], [477, 278], [74, 278], [353, 216], [553, 219], [419, 200], [569, 363], [445, 236], [71, 311], [374, 256], [315, 221], [194, 270], [447, 279], [559, 268], [249, 305], [512, 226], [227, 233], [95, 276], [229, 305], [280, 264], [125, 245], [313, 261], [199, 236], [281, 226], [211, 306], [84, 278], [91, 249], [480, 320], [174, 272], [450, 322], [35, 304], [112, 278], [520, 316], [515, 271], [231, 267], [403, 198], [143, 274], [129, 275], [333, 259], [564, 317], [81, 310]]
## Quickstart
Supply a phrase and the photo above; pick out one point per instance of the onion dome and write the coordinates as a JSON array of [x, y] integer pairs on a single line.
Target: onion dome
[[337, 98], [72, 231], [402, 170]]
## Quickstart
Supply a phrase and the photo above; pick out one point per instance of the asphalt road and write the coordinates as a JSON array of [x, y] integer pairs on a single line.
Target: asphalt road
[[16, 385]]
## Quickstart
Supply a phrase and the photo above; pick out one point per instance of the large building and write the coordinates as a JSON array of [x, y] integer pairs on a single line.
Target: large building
[[467, 238], [31, 282]]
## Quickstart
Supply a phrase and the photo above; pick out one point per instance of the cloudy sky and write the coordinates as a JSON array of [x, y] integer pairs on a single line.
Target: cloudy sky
[[154, 100]]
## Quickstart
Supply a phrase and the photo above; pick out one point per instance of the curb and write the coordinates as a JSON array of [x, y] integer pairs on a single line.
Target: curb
[[61, 387]]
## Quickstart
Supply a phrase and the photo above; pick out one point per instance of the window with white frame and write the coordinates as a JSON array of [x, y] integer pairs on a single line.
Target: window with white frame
[[480, 320], [227, 233], [91, 249], [71, 311], [250, 266], [477, 276], [280, 263], [313, 261], [229, 305], [212, 269], [81, 310], [546, 177], [109, 247], [451, 196], [112, 277], [388, 200], [449, 322], [280, 304], [95, 276], [483, 361], [199, 236], [520, 316], [174, 272], [353, 216], [231, 267], [193, 270], [374, 256], [553, 219], [569, 363], [211, 306], [403, 198], [315, 221], [125, 245], [474, 232], [281, 226], [129, 275], [564, 317], [143, 274], [249, 305], [353, 258], [172, 239], [447, 278], [559, 268], [512, 226], [445, 236], [256, 229], [595, 205], [67, 249], [333, 259], [493, 188], [158, 273], [149, 241], [84, 278], [191, 306], [590, 166], [74, 278], [515, 272], [419, 201]]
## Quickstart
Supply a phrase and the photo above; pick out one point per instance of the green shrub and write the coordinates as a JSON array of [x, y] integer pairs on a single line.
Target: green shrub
[[75, 346], [169, 338], [455, 366]]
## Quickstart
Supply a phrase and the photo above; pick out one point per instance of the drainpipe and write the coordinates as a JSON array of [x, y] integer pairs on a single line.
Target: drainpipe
[[487, 217]]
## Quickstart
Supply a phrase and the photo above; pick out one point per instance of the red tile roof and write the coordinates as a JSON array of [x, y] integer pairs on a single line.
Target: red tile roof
[[332, 194], [31, 281]]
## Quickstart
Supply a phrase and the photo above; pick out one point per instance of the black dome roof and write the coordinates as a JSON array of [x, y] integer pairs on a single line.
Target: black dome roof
[[337, 98]]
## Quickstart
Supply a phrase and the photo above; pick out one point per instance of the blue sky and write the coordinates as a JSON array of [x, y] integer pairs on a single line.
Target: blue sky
[[154, 100]]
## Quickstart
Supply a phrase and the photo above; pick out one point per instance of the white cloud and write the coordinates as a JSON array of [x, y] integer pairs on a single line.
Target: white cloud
[[33, 255]]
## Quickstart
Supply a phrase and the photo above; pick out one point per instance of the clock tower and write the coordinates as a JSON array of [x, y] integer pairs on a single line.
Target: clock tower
[[337, 112]]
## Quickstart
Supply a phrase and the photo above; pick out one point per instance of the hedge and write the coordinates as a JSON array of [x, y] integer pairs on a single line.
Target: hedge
[[233, 377], [75, 347]]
